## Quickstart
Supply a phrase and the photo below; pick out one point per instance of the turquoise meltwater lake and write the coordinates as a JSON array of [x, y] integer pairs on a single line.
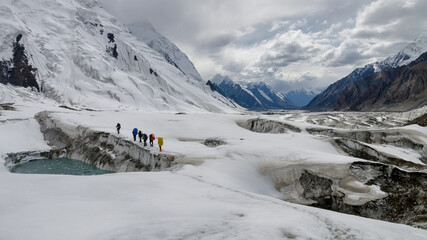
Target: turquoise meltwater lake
[[63, 166]]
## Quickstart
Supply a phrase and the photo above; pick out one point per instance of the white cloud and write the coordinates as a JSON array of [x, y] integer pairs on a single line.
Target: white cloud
[[307, 44]]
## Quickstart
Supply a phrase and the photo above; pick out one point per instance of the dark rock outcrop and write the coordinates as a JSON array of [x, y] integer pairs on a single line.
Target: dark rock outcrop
[[315, 187], [112, 46], [214, 142], [422, 121], [18, 71]]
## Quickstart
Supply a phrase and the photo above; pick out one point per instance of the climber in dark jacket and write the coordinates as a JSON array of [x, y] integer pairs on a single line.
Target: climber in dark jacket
[[140, 135], [118, 128], [145, 137], [135, 132]]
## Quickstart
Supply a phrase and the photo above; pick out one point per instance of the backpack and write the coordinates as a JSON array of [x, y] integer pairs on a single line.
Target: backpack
[[152, 138]]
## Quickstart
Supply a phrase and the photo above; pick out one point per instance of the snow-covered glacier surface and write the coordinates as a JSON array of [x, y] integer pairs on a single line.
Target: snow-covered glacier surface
[[235, 190]]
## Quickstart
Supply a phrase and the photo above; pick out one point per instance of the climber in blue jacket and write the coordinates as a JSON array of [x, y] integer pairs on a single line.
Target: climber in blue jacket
[[135, 132]]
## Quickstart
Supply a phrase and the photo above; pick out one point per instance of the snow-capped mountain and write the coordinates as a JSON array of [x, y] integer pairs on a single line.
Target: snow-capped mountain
[[145, 32], [255, 96], [81, 55], [409, 53], [327, 99], [301, 97], [396, 89]]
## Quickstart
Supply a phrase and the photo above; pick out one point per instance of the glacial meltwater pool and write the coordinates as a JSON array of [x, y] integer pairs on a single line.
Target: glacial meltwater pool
[[63, 166]]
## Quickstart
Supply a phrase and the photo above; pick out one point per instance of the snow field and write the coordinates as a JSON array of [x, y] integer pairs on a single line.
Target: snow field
[[227, 192]]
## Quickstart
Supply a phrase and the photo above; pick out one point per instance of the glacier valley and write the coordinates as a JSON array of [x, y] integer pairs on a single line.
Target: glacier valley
[[238, 175], [70, 71]]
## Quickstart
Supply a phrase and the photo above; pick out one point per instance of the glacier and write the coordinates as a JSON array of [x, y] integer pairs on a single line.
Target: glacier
[[232, 190]]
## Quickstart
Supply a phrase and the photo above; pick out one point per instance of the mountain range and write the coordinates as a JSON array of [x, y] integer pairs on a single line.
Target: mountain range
[[398, 89], [253, 96], [76, 53], [377, 86]]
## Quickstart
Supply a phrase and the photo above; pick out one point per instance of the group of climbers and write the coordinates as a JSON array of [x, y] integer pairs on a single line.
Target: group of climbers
[[143, 136]]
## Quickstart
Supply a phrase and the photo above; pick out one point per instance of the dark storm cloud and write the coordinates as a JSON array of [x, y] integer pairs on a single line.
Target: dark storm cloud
[[282, 54], [215, 43], [348, 56]]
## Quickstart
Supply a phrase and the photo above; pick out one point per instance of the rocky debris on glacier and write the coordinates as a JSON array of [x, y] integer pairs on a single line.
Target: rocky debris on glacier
[[384, 186], [422, 121]]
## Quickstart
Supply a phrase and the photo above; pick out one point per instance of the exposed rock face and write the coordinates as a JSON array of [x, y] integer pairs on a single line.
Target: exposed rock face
[[327, 99], [315, 187], [18, 71], [422, 121], [112, 46], [390, 90], [214, 142], [402, 88], [4, 71], [103, 150]]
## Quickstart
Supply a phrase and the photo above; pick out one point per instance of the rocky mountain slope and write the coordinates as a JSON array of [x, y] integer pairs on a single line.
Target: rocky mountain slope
[[76, 53], [253, 96], [327, 100], [399, 89]]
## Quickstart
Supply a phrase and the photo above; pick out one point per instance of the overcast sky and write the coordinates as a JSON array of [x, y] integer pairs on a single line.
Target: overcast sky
[[289, 44]]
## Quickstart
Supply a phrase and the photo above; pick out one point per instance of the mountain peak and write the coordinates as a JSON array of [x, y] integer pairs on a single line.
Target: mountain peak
[[254, 95], [218, 79], [145, 32], [329, 98], [408, 54], [259, 84]]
